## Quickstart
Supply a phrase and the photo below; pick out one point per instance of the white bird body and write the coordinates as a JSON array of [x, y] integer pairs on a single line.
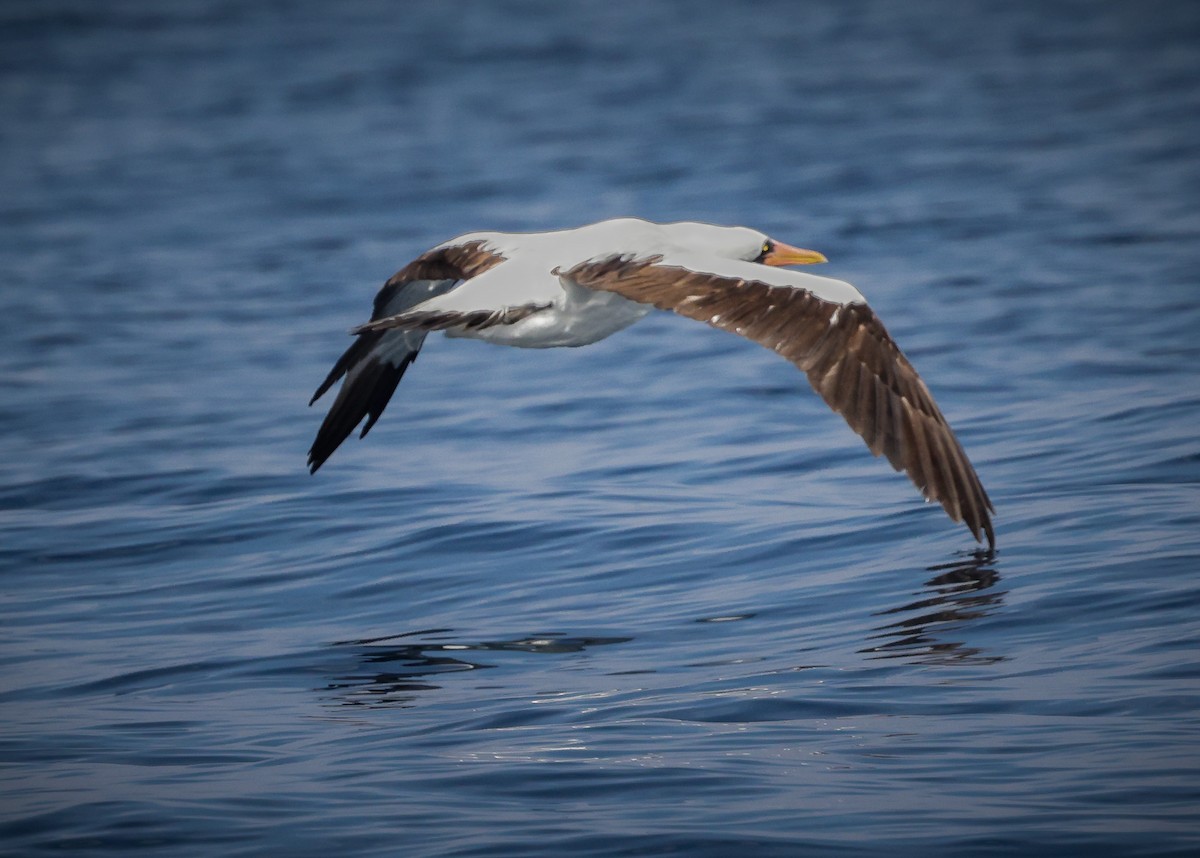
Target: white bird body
[[578, 316], [577, 286], [575, 317]]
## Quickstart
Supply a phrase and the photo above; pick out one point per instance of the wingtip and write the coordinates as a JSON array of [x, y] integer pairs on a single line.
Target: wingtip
[[984, 533], [313, 463]]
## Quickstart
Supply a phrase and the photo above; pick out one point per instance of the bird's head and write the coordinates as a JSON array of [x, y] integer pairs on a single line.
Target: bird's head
[[739, 242]]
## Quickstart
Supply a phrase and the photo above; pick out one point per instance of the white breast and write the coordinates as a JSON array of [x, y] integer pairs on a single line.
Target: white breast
[[579, 317]]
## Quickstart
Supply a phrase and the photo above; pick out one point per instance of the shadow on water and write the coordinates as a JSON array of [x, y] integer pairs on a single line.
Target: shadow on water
[[392, 674], [961, 592]]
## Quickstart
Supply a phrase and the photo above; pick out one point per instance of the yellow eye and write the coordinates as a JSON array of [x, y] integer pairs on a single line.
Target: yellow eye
[[766, 247]]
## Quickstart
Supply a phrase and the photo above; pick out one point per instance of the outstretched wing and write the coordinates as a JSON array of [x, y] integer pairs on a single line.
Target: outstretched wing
[[376, 361], [825, 329]]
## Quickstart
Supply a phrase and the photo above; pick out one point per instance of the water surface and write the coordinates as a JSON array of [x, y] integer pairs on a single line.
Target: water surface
[[648, 597]]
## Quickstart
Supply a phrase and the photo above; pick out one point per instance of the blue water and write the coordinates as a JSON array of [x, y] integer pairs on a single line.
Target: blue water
[[648, 597]]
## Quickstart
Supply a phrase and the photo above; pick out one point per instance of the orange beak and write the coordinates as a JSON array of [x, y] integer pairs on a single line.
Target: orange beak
[[785, 254]]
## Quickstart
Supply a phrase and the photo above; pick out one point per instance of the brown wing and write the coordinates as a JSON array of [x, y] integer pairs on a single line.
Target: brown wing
[[375, 363], [847, 354]]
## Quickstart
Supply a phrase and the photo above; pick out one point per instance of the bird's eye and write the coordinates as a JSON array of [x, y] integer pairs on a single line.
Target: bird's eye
[[766, 248]]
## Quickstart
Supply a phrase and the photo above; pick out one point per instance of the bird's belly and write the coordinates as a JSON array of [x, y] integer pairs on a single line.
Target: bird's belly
[[580, 321]]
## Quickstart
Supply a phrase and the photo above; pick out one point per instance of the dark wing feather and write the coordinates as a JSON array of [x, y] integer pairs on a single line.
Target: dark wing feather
[[376, 361], [443, 320], [373, 367], [847, 354]]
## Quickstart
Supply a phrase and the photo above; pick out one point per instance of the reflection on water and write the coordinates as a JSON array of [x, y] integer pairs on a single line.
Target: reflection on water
[[961, 592], [391, 671], [391, 674]]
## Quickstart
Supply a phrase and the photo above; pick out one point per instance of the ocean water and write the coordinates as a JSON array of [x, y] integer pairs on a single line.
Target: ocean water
[[648, 597]]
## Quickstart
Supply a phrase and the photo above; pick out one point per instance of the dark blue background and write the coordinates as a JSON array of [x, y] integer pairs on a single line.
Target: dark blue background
[[647, 597]]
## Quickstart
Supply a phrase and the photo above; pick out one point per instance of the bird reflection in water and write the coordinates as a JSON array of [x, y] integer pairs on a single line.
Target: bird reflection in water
[[393, 673], [960, 592]]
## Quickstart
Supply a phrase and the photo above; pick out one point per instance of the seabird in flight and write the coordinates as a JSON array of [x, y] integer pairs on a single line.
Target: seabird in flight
[[577, 286]]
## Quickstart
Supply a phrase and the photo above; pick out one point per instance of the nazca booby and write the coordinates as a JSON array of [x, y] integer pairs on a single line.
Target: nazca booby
[[576, 286]]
